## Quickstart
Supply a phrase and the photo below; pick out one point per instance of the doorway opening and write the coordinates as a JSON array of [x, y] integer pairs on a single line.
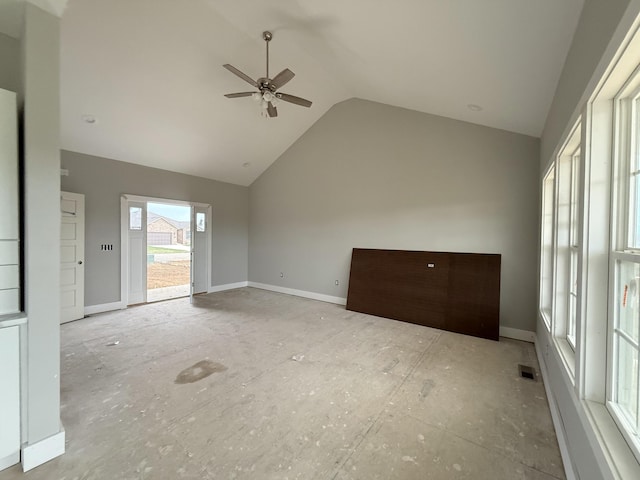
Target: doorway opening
[[168, 251]]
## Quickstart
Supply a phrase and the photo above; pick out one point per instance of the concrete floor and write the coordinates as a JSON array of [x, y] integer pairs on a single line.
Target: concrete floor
[[254, 384], [165, 293]]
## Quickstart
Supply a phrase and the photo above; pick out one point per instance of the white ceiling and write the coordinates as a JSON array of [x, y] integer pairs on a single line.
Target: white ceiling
[[151, 71]]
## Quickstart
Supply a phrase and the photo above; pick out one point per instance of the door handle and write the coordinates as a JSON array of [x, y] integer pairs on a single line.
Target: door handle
[[79, 262]]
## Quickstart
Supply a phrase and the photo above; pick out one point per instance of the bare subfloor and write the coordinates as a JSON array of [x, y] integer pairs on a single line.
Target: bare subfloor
[[254, 384]]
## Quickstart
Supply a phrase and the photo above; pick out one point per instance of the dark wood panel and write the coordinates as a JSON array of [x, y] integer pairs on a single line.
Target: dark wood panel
[[399, 285], [457, 292], [474, 295]]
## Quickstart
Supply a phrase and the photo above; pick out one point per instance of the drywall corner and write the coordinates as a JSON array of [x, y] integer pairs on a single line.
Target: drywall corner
[[41, 186]]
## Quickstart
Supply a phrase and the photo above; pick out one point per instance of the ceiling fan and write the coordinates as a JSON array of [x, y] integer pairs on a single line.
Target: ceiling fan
[[268, 94]]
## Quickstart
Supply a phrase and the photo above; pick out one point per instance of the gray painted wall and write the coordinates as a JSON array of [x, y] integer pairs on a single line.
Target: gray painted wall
[[376, 176], [9, 63], [40, 51], [103, 181], [597, 23]]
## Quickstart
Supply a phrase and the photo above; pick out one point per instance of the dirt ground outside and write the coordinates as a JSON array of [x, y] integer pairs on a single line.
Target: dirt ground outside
[[168, 274]]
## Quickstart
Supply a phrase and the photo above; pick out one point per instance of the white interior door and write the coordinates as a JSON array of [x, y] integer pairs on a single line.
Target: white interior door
[[199, 249], [137, 239], [71, 256]]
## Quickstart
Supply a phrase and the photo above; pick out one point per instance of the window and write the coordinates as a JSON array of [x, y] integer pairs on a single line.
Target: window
[[574, 248], [560, 286], [568, 248], [546, 269], [135, 218], [559, 280], [624, 394], [625, 332], [200, 222]]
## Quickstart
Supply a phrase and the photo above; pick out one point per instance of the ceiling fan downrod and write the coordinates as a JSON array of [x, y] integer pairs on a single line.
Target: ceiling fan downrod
[[267, 36]]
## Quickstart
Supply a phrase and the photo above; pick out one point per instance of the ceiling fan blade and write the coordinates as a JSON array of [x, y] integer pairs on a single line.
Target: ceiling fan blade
[[271, 110], [238, 95], [282, 78], [243, 76], [293, 99]]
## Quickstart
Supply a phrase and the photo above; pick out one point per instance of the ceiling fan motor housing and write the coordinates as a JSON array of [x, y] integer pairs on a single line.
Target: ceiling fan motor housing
[[265, 84]]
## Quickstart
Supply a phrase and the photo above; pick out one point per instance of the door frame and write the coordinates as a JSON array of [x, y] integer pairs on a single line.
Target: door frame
[[142, 234], [206, 209], [124, 237]]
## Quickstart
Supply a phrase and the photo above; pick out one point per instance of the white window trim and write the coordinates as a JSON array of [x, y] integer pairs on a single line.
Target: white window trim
[[604, 146], [565, 239], [575, 239], [625, 142], [547, 315]]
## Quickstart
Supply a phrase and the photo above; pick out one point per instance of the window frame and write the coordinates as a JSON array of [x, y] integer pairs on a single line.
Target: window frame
[[547, 278], [200, 222], [575, 244], [561, 252], [569, 226], [626, 136], [132, 209]]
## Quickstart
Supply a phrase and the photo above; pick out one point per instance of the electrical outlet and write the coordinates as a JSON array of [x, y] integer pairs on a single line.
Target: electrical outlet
[[337, 282]]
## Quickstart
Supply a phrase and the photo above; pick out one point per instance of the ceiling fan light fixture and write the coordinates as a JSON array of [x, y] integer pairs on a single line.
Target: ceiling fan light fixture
[[267, 94]]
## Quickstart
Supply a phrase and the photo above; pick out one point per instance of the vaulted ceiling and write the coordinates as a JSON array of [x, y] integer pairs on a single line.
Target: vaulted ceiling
[[150, 71]]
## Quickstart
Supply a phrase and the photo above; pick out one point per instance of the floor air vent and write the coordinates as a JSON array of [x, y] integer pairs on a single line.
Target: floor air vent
[[527, 372]]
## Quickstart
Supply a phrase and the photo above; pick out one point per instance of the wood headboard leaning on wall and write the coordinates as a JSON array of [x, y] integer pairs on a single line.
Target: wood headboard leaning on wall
[[459, 292]]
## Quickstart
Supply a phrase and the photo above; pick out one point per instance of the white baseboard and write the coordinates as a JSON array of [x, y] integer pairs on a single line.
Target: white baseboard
[[555, 416], [103, 307], [300, 293], [227, 286], [517, 334], [42, 451], [10, 460]]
